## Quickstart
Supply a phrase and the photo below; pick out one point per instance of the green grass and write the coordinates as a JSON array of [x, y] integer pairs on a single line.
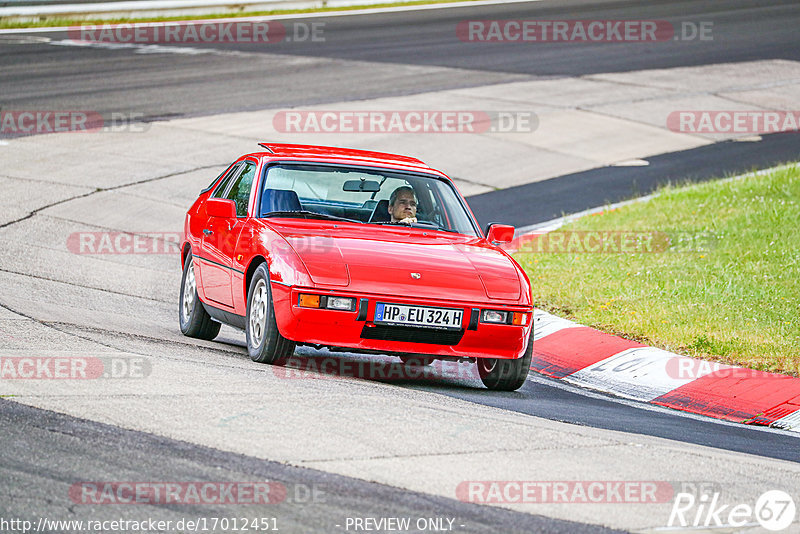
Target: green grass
[[731, 295], [53, 22]]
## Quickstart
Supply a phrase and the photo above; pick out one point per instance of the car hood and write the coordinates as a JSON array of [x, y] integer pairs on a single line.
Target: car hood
[[400, 261]]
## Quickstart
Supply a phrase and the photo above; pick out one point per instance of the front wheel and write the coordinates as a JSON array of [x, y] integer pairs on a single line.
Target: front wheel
[[264, 343], [506, 375], [194, 319]]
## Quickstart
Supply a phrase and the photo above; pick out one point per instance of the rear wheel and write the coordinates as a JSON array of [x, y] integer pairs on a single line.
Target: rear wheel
[[194, 319], [506, 375], [264, 343]]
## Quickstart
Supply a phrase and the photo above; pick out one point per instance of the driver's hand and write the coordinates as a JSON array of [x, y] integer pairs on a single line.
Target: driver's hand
[[408, 220]]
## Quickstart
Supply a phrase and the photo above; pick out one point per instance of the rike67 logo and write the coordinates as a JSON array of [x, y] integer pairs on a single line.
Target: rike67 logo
[[774, 510]]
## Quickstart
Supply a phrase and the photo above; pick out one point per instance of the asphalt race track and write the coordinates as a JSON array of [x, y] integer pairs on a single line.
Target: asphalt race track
[[379, 55], [96, 456], [370, 447]]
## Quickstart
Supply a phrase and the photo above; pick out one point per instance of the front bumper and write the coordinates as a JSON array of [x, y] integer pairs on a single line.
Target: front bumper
[[357, 330]]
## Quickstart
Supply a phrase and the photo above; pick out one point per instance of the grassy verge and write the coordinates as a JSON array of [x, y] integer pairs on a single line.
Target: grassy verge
[[716, 272], [57, 22]]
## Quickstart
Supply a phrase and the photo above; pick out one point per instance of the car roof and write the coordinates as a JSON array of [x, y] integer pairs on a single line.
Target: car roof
[[351, 155]]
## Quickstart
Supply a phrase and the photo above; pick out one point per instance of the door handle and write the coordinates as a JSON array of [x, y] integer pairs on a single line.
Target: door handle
[[207, 231]]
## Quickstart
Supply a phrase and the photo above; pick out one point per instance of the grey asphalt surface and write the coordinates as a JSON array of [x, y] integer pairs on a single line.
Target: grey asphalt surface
[[37, 485], [546, 397], [402, 53]]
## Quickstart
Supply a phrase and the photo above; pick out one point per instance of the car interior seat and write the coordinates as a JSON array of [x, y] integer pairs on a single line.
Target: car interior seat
[[279, 200], [381, 212]]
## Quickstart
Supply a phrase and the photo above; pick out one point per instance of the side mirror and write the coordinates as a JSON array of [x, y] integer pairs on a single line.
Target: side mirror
[[499, 234], [221, 207]]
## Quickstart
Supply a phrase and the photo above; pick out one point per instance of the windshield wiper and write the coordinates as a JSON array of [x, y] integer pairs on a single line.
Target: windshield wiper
[[305, 214], [418, 224], [392, 223]]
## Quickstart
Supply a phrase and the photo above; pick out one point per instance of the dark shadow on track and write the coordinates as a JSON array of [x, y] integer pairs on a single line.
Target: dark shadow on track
[[544, 397], [306, 500]]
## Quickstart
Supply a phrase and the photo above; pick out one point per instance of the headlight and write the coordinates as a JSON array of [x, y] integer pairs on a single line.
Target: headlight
[[504, 317], [494, 316], [341, 303], [306, 300]]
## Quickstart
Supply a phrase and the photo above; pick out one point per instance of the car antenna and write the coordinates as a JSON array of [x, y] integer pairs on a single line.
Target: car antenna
[[266, 146]]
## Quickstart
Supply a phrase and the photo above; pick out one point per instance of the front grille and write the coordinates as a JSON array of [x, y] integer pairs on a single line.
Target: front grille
[[412, 334]]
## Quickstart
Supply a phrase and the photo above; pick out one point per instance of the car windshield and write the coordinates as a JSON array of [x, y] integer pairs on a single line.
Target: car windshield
[[363, 196]]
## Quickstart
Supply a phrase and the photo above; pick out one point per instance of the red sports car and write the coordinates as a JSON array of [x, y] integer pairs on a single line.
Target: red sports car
[[353, 250]]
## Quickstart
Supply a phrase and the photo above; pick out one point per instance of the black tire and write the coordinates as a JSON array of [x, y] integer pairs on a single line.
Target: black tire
[[264, 343], [192, 316], [416, 360], [506, 375]]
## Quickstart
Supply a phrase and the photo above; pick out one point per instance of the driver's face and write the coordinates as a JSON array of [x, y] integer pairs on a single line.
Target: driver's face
[[405, 205]]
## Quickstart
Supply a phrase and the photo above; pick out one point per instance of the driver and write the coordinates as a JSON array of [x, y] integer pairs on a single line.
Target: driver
[[403, 205]]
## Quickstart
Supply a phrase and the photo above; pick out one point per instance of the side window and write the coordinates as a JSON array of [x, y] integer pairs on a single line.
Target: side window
[[240, 190], [219, 192], [223, 173]]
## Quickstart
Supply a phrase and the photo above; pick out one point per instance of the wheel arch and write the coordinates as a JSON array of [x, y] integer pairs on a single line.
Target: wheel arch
[[251, 269], [185, 251]]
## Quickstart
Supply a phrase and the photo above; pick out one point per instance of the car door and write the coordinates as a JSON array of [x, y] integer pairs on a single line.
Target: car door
[[207, 272], [220, 237]]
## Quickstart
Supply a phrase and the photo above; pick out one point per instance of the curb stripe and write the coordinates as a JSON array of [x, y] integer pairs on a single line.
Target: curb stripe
[[789, 422], [738, 394], [590, 358], [545, 324], [641, 373], [569, 350]]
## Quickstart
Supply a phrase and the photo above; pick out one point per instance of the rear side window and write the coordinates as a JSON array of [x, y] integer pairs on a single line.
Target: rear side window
[[219, 192], [223, 173], [239, 192]]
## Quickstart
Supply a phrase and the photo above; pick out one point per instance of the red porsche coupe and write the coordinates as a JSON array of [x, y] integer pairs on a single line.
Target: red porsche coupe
[[353, 250]]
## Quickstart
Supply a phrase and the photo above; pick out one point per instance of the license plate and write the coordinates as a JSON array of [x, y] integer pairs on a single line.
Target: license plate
[[401, 314]]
